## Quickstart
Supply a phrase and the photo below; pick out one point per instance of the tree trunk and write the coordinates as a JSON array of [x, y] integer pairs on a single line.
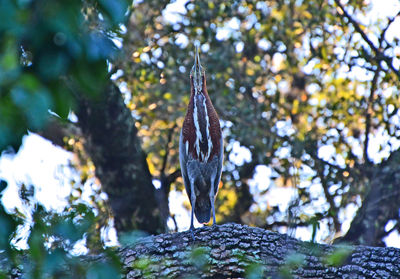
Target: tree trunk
[[113, 145], [380, 205], [237, 251]]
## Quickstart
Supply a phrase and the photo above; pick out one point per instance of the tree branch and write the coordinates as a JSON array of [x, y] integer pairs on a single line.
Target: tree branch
[[330, 199], [294, 224], [169, 139], [369, 112], [56, 130], [379, 55], [382, 36], [113, 144], [379, 205], [237, 251]]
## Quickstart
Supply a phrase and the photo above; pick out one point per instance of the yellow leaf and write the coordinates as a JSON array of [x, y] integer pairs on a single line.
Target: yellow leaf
[[250, 72], [307, 14], [167, 96], [295, 107], [151, 166]]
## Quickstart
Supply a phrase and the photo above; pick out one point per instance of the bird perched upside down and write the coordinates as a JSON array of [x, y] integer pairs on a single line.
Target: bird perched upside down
[[201, 147]]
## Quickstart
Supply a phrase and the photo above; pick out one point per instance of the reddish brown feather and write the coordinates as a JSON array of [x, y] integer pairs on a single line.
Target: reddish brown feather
[[189, 130]]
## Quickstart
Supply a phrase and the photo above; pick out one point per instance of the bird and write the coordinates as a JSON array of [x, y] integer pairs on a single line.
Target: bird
[[201, 147]]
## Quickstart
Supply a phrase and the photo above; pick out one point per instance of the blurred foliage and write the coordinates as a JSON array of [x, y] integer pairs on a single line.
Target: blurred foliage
[[53, 53], [200, 258], [292, 262], [339, 256], [86, 178], [201, 261], [55, 241], [51, 246], [292, 82], [50, 54]]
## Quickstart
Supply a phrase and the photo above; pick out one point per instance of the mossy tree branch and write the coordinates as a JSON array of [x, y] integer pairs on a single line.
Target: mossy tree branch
[[237, 251]]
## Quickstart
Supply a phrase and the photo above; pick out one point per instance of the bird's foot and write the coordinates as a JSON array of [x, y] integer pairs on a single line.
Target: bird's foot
[[192, 232]]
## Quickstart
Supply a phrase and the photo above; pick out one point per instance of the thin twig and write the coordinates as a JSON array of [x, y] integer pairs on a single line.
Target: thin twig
[[329, 199], [173, 176], [285, 224], [169, 139], [380, 56], [390, 21], [369, 112]]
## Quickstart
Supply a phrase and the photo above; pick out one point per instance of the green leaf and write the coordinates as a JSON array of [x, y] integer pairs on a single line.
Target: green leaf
[[339, 256], [115, 10]]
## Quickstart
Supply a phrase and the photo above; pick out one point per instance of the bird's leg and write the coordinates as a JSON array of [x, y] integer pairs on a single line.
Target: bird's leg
[[193, 202], [212, 200]]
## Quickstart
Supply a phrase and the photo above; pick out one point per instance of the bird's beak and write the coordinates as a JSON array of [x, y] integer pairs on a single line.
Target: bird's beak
[[197, 69], [197, 64]]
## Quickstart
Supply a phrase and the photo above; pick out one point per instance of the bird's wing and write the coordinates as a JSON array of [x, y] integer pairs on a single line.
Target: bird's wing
[[219, 169], [183, 158]]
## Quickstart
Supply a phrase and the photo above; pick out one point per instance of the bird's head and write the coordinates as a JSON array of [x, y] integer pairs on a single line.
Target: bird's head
[[197, 74]]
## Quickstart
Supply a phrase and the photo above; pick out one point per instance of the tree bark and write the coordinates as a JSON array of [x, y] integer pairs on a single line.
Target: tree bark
[[380, 205], [113, 145], [237, 251]]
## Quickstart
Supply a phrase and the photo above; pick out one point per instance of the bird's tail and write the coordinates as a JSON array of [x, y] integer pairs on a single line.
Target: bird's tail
[[202, 209]]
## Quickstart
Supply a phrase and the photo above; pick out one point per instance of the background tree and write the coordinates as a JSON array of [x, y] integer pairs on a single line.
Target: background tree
[[302, 86]]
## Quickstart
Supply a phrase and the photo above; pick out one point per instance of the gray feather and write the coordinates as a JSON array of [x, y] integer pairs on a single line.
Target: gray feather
[[205, 175]]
